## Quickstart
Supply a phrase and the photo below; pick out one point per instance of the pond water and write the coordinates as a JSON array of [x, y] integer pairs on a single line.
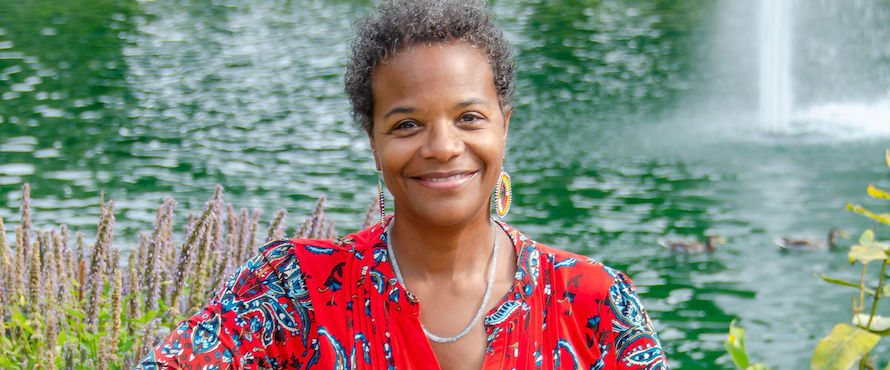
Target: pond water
[[634, 120]]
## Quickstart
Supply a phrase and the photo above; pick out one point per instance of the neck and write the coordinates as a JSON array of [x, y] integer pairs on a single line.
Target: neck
[[427, 251]]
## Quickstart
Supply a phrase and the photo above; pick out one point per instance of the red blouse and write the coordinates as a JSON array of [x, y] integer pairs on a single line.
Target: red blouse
[[337, 304]]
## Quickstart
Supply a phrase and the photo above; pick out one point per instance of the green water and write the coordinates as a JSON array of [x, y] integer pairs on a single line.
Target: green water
[[633, 121]]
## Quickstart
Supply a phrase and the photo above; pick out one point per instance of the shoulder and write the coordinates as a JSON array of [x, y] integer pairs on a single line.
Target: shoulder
[[606, 303], [311, 262], [298, 258], [560, 271], [598, 301], [591, 284], [321, 251], [580, 271], [281, 252], [585, 283]]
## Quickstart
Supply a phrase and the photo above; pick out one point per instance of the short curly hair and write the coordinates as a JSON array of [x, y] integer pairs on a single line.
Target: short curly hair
[[403, 23]]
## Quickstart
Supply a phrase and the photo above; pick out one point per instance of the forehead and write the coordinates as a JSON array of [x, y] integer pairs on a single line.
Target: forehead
[[437, 65]]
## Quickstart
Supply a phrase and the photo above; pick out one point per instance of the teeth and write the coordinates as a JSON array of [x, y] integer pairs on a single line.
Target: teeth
[[444, 179]]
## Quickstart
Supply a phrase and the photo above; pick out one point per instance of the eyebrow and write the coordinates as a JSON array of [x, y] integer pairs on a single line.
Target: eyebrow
[[398, 110], [405, 110], [469, 102]]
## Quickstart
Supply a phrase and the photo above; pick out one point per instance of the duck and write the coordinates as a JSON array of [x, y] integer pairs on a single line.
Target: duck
[[692, 246], [810, 243]]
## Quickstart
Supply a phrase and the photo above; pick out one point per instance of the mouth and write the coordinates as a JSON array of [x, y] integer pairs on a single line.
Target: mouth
[[445, 181]]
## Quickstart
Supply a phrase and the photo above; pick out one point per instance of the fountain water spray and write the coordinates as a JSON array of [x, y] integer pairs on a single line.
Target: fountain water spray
[[775, 65]]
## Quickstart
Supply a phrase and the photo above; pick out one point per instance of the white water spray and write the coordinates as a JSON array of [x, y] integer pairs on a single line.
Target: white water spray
[[775, 65]]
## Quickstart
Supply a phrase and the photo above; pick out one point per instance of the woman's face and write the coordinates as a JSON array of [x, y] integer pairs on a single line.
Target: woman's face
[[439, 132]]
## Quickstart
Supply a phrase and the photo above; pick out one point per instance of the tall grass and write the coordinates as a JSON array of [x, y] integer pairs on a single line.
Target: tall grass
[[64, 304]]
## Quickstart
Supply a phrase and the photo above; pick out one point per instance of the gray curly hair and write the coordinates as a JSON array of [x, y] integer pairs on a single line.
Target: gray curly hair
[[402, 23]]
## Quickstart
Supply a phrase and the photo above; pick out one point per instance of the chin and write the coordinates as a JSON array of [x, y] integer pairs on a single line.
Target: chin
[[447, 214]]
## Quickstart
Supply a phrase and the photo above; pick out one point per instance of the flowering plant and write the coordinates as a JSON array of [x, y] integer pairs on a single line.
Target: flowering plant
[[64, 304]]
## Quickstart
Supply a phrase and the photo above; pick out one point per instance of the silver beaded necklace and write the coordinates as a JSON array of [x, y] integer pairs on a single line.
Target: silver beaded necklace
[[493, 263]]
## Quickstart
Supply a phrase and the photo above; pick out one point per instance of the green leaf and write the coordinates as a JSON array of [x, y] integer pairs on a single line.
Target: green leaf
[[867, 237], [73, 312], [868, 249], [162, 306], [840, 282], [843, 347], [877, 193], [885, 292], [146, 317], [126, 345], [866, 254], [735, 345], [7, 364], [879, 324], [883, 218]]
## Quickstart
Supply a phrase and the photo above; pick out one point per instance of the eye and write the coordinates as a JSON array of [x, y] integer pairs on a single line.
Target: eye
[[469, 118], [405, 125]]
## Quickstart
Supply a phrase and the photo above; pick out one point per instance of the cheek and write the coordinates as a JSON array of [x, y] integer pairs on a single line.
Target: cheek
[[491, 154], [491, 148], [392, 158]]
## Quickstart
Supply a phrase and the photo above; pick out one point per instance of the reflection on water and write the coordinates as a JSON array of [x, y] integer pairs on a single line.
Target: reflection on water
[[606, 53], [145, 99]]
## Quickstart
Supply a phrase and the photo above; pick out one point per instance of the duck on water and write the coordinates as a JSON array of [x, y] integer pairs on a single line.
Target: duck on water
[[692, 246], [811, 243]]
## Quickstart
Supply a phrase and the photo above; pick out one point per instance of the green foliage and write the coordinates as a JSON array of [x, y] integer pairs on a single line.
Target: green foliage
[[846, 344], [76, 345], [879, 324], [73, 307], [843, 347], [883, 218], [868, 250], [735, 345]]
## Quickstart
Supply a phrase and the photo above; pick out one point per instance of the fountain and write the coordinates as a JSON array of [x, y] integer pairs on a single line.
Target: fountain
[[824, 68], [775, 65]]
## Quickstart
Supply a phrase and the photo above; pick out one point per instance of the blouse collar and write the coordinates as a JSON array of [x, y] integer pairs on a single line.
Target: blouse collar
[[528, 269]]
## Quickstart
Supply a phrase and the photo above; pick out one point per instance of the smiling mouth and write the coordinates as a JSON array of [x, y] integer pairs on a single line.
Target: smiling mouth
[[445, 181]]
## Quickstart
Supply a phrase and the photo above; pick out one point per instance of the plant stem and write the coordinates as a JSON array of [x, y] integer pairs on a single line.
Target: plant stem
[[878, 292], [862, 288]]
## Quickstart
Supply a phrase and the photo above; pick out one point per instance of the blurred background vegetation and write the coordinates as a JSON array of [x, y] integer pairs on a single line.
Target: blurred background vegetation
[[634, 121]]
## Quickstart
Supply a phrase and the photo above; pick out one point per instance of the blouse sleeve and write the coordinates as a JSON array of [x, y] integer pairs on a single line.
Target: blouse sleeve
[[245, 325], [629, 330]]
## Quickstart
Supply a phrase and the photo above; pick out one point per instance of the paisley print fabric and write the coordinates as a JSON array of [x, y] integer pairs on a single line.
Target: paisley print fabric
[[336, 304]]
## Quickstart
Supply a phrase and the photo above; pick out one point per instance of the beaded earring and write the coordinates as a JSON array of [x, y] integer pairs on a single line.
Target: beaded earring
[[503, 195], [382, 206]]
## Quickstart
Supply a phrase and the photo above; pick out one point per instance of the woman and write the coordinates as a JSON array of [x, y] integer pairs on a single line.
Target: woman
[[440, 284]]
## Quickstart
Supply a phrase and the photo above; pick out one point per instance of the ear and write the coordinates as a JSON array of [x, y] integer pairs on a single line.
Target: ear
[[508, 110], [374, 151]]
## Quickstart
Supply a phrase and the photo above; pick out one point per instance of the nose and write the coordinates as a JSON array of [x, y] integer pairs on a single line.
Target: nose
[[443, 142]]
